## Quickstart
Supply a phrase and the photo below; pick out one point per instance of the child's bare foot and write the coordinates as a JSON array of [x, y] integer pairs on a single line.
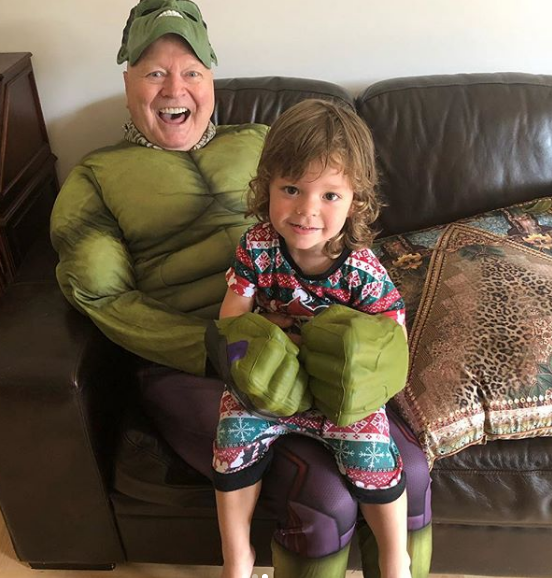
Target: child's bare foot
[[239, 567], [398, 569]]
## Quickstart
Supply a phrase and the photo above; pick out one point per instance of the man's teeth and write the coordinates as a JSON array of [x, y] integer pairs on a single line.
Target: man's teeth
[[168, 110], [170, 13]]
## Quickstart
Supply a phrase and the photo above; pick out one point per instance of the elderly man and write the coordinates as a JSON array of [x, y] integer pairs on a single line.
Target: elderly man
[[145, 230]]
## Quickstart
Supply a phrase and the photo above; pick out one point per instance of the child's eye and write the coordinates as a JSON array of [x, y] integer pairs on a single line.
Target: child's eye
[[331, 196], [290, 190]]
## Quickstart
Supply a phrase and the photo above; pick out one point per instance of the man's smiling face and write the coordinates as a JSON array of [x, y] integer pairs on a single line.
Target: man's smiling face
[[170, 94]]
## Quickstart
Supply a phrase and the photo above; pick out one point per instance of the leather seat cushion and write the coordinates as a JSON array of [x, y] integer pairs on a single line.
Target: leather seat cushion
[[502, 483]]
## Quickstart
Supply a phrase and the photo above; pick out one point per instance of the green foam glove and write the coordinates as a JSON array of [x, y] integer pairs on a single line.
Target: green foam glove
[[259, 363], [356, 362]]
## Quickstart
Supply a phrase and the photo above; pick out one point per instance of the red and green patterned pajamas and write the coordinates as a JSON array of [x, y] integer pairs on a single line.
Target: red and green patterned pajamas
[[364, 451]]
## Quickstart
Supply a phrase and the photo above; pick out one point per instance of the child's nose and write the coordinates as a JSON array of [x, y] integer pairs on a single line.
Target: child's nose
[[307, 207]]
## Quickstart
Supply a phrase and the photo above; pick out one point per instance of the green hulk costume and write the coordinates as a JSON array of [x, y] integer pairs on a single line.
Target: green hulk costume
[[144, 239]]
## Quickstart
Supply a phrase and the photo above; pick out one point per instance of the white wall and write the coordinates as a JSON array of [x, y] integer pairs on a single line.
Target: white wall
[[351, 42]]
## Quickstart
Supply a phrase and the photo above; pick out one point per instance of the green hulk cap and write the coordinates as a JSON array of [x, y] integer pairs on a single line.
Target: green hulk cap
[[151, 19]]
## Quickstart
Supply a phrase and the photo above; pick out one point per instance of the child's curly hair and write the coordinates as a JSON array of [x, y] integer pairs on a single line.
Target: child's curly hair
[[320, 130]]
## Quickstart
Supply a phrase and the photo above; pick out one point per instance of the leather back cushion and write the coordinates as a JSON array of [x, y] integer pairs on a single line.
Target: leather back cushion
[[448, 146], [263, 99], [454, 146]]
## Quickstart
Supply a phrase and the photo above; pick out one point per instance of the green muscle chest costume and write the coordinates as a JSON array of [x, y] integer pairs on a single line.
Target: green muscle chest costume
[[145, 236]]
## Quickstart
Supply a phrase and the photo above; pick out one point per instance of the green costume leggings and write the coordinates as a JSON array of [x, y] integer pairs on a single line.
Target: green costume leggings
[[289, 565]]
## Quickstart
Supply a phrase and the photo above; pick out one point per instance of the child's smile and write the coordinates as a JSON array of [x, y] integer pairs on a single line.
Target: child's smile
[[302, 230]]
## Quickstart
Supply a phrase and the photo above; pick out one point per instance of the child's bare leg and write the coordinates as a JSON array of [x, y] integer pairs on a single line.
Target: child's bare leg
[[234, 511], [388, 522]]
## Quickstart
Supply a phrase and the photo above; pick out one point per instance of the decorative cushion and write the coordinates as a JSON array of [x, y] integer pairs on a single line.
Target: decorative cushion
[[478, 294]]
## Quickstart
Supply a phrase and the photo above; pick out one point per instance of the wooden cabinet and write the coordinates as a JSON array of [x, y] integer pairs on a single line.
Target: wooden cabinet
[[28, 181]]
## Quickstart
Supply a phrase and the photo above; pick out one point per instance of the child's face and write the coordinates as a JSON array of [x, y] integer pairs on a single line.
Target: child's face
[[310, 211]]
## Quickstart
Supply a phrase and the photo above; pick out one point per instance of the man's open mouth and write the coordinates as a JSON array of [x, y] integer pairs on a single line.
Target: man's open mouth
[[172, 115]]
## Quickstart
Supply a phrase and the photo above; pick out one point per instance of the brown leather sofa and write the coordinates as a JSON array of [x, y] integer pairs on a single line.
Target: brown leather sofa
[[85, 480]]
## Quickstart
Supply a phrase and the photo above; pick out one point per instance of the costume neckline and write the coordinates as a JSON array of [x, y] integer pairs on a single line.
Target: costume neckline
[[133, 135]]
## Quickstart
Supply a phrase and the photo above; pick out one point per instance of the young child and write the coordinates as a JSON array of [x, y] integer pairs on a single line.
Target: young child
[[314, 195]]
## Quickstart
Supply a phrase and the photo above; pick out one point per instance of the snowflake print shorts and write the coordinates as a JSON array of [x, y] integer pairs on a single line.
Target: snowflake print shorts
[[364, 451]]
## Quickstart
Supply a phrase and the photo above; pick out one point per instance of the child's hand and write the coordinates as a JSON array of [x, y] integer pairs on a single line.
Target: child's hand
[[282, 321], [295, 337]]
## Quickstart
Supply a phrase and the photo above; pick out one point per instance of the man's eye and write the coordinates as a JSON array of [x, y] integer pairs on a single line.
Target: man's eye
[[156, 74], [194, 76]]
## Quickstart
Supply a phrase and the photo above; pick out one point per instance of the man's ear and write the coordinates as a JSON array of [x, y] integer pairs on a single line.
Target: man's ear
[[125, 80]]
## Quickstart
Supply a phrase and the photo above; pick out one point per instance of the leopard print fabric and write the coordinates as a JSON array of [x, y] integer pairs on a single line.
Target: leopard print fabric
[[481, 341]]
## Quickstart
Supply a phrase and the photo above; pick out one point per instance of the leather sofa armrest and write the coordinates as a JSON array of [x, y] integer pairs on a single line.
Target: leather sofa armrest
[[61, 389]]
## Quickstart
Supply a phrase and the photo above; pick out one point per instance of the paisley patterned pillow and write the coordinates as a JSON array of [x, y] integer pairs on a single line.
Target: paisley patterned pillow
[[479, 309]]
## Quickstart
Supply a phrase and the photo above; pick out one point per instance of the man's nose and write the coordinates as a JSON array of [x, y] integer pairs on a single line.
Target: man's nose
[[174, 86]]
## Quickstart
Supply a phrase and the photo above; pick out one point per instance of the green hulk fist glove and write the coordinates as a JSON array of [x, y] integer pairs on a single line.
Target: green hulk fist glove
[[259, 363], [356, 362]]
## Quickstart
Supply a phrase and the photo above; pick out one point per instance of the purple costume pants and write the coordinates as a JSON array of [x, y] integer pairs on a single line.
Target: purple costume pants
[[316, 512]]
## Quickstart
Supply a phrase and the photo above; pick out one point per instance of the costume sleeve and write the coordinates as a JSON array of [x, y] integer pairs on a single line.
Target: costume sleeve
[[96, 275], [241, 276], [376, 293]]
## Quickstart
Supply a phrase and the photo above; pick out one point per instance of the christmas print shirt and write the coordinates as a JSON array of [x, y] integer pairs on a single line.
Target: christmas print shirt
[[264, 268]]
